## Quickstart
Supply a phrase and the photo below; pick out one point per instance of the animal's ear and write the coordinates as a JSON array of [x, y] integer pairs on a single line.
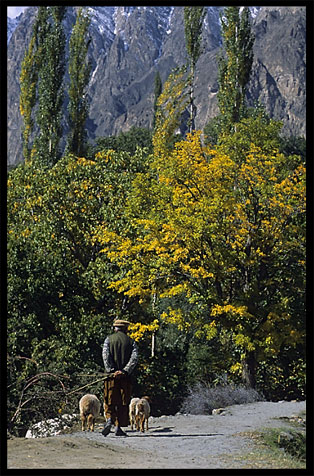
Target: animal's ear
[[147, 398]]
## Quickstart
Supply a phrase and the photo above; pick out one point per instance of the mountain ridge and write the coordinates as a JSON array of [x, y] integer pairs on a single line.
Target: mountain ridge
[[130, 44]]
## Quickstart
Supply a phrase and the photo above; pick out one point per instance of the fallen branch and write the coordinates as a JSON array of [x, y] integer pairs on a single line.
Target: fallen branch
[[87, 385], [31, 382]]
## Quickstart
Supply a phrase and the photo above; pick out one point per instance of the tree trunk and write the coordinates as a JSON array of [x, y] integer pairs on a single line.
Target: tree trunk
[[249, 370], [192, 105], [153, 345]]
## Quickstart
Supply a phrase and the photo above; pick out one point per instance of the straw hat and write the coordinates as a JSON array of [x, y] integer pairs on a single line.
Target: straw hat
[[120, 323]]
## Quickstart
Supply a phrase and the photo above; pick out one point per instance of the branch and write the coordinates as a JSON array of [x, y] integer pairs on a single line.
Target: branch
[[87, 385], [33, 381]]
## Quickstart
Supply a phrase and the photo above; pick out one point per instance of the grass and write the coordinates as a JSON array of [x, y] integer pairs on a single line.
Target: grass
[[262, 458], [276, 448], [292, 442]]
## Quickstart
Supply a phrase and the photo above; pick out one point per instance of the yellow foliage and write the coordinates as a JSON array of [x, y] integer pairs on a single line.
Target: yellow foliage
[[176, 316], [25, 233], [244, 342], [200, 220], [85, 162], [210, 330], [178, 289], [240, 311], [236, 368], [138, 330]]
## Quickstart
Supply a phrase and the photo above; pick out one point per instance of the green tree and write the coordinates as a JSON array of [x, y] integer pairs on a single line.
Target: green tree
[[50, 87], [60, 306], [193, 23], [79, 72], [212, 130], [41, 26], [234, 64], [136, 137], [293, 146], [29, 77], [28, 84], [170, 106]]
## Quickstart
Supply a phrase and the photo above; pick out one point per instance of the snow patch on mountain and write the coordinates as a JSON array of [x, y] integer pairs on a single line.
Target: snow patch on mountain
[[12, 23], [103, 18], [254, 11]]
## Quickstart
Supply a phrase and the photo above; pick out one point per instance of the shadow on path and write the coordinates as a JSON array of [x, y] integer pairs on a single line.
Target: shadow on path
[[175, 435]]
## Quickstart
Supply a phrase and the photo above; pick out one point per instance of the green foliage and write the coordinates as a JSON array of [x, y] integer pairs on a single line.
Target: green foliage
[[215, 134], [193, 23], [163, 377], [206, 360], [170, 107], [234, 65], [59, 306], [50, 87], [30, 67], [205, 246], [293, 146], [42, 86], [258, 130], [212, 131], [28, 84], [79, 72], [283, 376], [126, 141]]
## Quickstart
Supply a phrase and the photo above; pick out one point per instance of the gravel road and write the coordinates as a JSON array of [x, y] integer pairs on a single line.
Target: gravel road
[[172, 442]]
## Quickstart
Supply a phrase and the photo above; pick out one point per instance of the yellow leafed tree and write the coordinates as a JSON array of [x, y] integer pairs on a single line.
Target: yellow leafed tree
[[221, 242]]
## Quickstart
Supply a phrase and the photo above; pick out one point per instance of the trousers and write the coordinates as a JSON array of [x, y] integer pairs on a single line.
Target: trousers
[[117, 396]]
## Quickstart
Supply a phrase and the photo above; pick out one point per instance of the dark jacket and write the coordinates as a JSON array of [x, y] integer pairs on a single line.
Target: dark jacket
[[119, 353]]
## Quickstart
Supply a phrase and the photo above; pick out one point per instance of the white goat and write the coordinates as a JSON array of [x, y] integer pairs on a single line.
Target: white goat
[[89, 411], [132, 408]]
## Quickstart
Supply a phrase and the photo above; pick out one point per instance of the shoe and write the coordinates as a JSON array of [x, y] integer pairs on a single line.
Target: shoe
[[107, 428], [119, 432]]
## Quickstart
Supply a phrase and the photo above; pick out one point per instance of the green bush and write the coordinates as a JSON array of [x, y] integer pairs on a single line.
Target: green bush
[[283, 377]]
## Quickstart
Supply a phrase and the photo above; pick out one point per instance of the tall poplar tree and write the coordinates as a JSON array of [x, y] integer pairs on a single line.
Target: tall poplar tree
[[28, 84], [79, 72], [234, 64], [29, 77], [50, 88], [193, 23]]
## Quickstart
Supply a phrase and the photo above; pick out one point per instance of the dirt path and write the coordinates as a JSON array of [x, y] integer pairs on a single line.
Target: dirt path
[[180, 441]]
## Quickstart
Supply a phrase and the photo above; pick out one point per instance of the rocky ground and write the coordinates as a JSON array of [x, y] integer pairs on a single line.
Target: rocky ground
[[222, 440]]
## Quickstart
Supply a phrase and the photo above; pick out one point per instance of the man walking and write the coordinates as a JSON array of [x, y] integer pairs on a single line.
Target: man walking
[[120, 358]]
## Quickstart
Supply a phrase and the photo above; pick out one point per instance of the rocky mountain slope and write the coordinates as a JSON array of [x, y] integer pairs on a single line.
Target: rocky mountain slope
[[12, 23], [130, 44]]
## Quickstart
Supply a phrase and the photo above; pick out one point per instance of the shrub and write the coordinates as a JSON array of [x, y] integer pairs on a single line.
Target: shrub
[[202, 398], [41, 396]]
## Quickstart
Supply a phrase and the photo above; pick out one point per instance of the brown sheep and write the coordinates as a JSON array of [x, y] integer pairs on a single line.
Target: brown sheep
[[89, 411], [142, 413]]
